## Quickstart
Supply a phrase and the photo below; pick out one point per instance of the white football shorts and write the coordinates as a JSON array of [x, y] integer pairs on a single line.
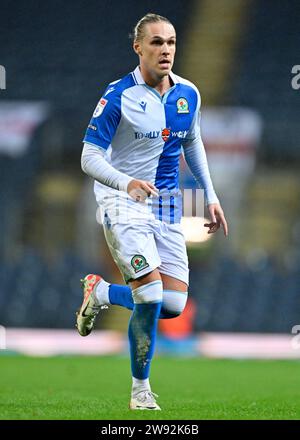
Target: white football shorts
[[139, 248]]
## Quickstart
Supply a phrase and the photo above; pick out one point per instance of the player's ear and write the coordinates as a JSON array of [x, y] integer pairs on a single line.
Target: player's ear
[[137, 48]]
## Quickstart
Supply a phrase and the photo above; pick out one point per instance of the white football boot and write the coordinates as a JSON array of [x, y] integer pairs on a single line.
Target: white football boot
[[90, 307], [144, 400]]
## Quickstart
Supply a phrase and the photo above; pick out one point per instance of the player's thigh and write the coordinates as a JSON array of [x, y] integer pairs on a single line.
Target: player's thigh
[[133, 249], [174, 265], [146, 279], [171, 283]]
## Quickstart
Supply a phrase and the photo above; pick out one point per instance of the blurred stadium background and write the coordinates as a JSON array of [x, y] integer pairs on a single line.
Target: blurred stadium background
[[245, 289]]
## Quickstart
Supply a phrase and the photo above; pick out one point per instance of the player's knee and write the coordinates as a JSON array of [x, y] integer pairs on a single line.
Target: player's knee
[[148, 293], [173, 303]]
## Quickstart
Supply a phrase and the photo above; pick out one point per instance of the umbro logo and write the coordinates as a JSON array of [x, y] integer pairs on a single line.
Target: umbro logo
[[143, 105]]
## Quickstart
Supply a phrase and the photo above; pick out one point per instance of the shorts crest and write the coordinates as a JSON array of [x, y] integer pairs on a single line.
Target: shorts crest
[[139, 262]]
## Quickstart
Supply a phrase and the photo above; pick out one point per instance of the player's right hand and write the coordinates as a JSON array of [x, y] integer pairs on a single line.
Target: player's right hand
[[139, 190]]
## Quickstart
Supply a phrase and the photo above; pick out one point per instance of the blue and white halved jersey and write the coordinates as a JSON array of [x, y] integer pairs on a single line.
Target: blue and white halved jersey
[[143, 132]]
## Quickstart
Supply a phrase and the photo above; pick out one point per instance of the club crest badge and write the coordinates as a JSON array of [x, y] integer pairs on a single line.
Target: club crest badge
[[139, 262], [165, 134], [100, 107], [182, 106]]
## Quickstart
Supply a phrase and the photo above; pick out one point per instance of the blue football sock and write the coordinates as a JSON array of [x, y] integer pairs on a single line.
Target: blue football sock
[[142, 334], [120, 296]]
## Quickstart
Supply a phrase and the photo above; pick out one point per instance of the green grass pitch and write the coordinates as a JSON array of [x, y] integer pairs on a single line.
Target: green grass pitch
[[98, 388]]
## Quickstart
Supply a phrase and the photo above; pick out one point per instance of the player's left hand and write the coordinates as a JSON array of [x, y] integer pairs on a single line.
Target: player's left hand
[[217, 219]]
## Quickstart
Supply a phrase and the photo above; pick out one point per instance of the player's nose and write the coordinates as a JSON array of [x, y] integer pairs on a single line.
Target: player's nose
[[165, 49]]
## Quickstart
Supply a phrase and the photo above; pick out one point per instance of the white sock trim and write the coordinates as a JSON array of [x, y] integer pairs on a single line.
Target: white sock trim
[[174, 301], [139, 385], [102, 292], [148, 293]]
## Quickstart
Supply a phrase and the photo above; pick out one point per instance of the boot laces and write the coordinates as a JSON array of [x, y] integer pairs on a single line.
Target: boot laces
[[144, 396]]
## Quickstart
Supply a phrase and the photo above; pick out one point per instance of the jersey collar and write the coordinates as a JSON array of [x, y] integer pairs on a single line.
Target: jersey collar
[[137, 76]]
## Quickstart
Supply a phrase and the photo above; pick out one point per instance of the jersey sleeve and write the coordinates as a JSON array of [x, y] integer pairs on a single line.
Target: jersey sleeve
[[195, 156], [104, 122], [194, 130]]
